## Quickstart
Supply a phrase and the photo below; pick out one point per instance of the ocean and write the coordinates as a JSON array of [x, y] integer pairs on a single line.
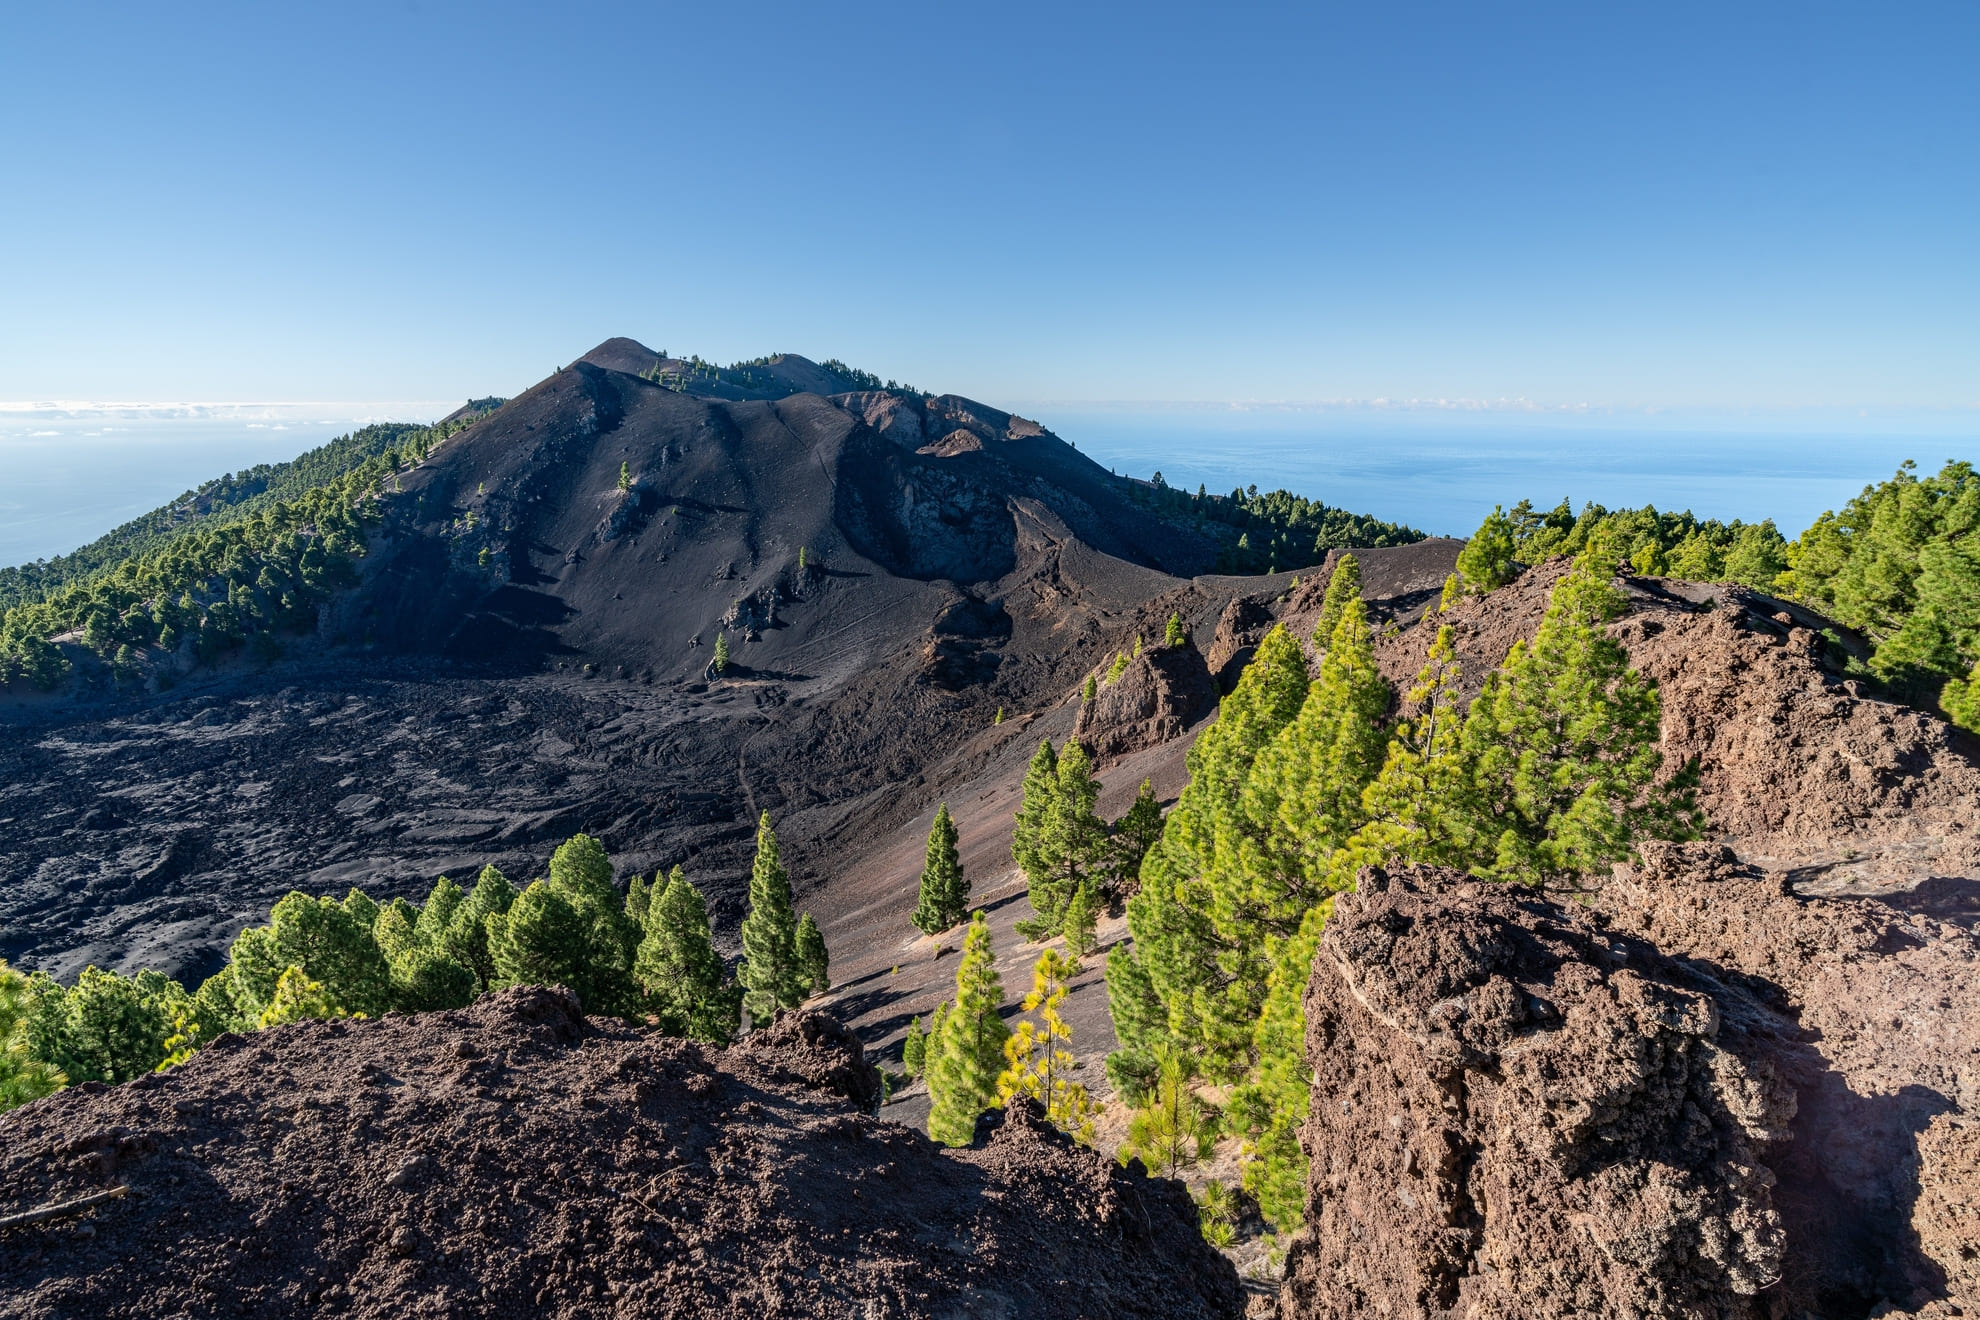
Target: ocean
[[1443, 474], [70, 474]]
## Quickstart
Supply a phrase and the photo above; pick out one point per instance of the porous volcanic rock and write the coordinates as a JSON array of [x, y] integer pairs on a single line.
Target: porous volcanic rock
[[1879, 1189], [514, 1159], [1514, 1113], [1705, 1095], [1806, 771], [1158, 696]]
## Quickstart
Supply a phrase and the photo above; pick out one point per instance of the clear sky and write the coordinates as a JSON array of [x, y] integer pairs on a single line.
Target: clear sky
[[1714, 206]]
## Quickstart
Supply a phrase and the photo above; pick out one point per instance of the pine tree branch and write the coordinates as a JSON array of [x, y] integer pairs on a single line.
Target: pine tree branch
[[61, 1210]]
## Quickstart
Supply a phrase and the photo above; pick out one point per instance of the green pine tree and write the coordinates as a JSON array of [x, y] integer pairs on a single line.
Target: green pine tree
[[1960, 700], [679, 971], [1174, 636], [334, 945], [639, 897], [105, 1028], [1082, 915], [770, 975], [1420, 808], [298, 997], [721, 652], [437, 913], [1486, 562], [1941, 636], [969, 1056], [543, 940], [362, 909], [394, 929], [814, 964], [944, 898], [23, 1077], [1345, 583], [1175, 1128], [1303, 797], [466, 936], [914, 1048], [1071, 845], [1089, 690], [581, 873], [934, 1041], [253, 968], [1269, 866], [1141, 1025], [625, 476], [1133, 835], [216, 1009], [1210, 983], [428, 980], [1868, 567], [1038, 1059], [1563, 745], [1040, 790], [1272, 1104]]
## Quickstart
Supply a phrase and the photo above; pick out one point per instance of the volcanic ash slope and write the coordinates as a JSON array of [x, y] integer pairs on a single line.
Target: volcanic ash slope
[[516, 1159]]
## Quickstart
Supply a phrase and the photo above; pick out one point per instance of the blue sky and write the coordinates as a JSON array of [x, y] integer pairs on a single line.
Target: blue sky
[[1702, 208]]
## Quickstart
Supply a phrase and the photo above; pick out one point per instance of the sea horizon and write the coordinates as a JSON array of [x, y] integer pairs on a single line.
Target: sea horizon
[[69, 473]]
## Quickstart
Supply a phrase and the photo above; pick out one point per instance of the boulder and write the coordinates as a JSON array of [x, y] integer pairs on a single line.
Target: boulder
[[1701, 1095]]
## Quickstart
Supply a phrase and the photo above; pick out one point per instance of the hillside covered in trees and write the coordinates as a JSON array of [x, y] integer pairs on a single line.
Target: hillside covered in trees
[[1896, 572], [234, 497]]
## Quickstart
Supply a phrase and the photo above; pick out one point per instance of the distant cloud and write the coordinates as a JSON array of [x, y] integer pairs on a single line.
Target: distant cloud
[[357, 413]]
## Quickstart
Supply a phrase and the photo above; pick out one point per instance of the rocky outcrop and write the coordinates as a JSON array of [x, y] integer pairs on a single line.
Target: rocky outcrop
[[1514, 1113], [1157, 697], [515, 1159], [1240, 628], [1798, 763], [1800, 767], [1702, 1097], [1879, 1188]]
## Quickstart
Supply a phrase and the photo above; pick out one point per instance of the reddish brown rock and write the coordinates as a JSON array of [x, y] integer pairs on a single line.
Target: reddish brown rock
[[515, 1159], [1157, 697], [1705, 1096], [1516, 1114], [1878, 1190]]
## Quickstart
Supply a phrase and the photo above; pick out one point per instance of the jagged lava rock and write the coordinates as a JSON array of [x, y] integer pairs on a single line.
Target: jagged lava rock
[[1880, 1190], [1516, 1114], [1703, 1096], [516, 1159], [1240, 628], [1158, 696]]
